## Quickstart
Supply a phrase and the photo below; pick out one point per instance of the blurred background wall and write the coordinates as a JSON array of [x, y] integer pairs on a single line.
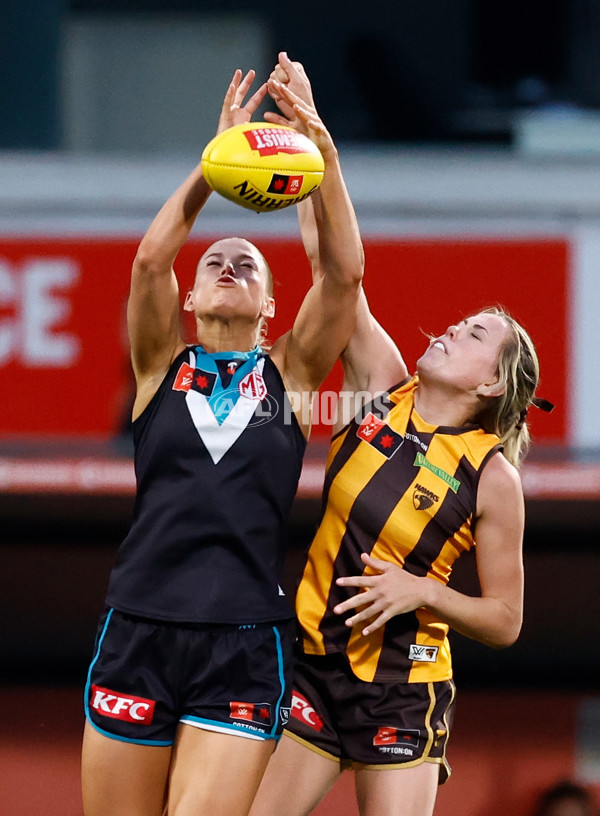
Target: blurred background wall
[[470, 138]]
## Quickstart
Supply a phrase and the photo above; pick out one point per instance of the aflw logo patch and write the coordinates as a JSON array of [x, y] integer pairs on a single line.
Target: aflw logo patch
[[423, 654], [122, 707], [251, 712]]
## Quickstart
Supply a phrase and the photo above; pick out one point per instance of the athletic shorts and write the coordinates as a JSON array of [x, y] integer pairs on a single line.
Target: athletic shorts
[[369, 725], [148, 676]]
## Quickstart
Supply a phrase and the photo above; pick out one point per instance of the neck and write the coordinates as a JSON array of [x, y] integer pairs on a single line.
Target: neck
[[217, 335], [441, 408]]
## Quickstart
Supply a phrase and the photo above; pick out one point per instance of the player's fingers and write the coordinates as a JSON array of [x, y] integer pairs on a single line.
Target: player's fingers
[[355, 580], [360, 599], [376, 563], [380, 621], [244, 86], [276, 119], [256, 98]]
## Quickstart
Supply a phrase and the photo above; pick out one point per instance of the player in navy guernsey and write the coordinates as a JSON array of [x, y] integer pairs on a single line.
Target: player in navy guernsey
[[427, 471], [188, 689]]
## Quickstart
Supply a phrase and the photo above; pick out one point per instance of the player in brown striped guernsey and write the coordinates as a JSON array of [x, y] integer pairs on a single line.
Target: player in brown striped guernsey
[[426, 470]]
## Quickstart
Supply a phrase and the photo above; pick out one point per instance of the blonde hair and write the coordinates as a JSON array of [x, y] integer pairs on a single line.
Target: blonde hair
[[519, 371]]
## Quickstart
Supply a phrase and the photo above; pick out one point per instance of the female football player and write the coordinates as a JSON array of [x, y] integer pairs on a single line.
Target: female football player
[[189, 684], [426, 470]]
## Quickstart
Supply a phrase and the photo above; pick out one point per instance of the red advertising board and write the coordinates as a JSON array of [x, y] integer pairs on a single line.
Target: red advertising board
[[64, 365]]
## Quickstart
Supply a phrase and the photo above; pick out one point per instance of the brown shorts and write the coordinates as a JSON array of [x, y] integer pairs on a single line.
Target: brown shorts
[[369, 725]]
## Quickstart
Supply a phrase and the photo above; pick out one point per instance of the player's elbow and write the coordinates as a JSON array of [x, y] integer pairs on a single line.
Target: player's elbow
[[505, 636]]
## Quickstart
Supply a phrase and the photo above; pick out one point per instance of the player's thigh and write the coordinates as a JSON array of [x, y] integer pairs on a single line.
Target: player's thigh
[[398, 791], [121, 778], [214, 773], [296, 780]]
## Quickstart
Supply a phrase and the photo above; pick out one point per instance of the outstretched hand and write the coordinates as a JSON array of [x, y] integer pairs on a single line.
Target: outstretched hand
[[390, 591], [235, 111]]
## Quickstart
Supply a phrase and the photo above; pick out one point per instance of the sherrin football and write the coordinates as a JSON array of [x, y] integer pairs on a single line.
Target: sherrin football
[[262, 166]]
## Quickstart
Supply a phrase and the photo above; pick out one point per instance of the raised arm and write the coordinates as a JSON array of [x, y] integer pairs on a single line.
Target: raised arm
[[371, 360], [153, 310], [325, 321]]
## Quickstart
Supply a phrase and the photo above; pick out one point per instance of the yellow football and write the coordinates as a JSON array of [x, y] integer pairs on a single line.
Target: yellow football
[[262, 167]]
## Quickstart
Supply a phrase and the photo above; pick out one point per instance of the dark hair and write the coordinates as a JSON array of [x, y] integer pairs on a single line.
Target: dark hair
[[566, 791]]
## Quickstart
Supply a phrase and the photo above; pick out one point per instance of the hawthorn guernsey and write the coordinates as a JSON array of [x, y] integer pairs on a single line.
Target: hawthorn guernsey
[[262, 166]]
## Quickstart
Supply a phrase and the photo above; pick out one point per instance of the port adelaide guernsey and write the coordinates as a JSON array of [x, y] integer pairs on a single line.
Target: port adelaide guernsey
[[218, 455]]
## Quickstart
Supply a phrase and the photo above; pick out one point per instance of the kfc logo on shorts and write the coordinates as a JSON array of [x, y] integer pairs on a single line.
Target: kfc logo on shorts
[[422, 654], [253, 386], [387, 735], [122, 707], [302, 710], [251, 712]]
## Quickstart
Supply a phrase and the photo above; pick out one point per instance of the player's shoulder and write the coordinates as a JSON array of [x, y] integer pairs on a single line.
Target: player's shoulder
[[499, 481]]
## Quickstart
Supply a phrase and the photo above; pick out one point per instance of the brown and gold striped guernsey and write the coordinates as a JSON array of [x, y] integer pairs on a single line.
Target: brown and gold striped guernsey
[[403, 491]]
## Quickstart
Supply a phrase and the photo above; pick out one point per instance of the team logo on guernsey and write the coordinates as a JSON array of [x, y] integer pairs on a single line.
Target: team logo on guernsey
[[379, 434], [302, 710], [422, 654], [423, 498], [259, 713], [285, 185], [120, 706], [397, 740]]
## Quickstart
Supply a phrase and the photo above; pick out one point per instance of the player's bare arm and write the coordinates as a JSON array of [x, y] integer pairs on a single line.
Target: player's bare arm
[[153, 308], [326, 318]]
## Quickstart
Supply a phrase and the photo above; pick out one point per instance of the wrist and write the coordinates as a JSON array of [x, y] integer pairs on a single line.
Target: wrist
[[431, 592]]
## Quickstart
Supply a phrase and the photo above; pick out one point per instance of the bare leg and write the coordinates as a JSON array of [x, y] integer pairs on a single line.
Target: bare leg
[[215, 774], [295, 781], [397, 791], [121, 778]]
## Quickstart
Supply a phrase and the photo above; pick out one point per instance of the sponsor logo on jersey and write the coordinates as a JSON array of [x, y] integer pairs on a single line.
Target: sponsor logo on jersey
[[390, 740], [120, 706], [251, 712], [269, 141], [414, 438], [285, 185], [379, 435], [423, 498], [184, 378], [253, 386], [302, 710], [422, 461], [422, 654]]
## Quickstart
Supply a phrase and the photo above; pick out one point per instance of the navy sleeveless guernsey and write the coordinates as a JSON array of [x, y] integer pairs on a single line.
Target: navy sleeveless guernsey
[[218, 455]]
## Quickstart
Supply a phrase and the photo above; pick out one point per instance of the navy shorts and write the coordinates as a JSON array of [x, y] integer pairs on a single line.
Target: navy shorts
[[369, 725], [148, 676]]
